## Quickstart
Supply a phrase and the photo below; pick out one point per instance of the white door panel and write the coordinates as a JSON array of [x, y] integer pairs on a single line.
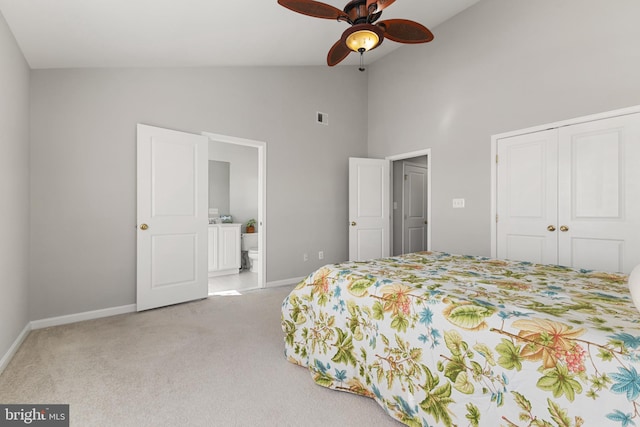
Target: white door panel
[[369, 244], [598, 194], [597, 254], [529, 248], [527, 198], [172, 203], [172, 259], [172, 178], [368, 209]]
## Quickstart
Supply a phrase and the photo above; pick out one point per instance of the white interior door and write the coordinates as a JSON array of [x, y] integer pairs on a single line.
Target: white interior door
[[527, 198], [415, 208], [599, 194], [369, 213], [171, 217]]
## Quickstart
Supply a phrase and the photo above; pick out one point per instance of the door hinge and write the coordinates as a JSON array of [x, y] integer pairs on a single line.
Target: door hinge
[[496, 217], [496, 159], [406, 177]]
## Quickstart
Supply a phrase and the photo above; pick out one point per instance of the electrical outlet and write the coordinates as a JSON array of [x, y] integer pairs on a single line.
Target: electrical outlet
[[305, 257], [321, 255]]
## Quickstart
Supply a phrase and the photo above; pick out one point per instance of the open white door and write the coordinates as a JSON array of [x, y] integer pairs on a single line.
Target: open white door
[[172, 217], [369, 214]]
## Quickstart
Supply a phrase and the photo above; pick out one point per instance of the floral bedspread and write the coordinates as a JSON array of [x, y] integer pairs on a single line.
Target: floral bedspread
[[439, 339]]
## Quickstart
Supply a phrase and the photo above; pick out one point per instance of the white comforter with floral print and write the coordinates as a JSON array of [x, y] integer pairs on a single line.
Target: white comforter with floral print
[[438, 339]]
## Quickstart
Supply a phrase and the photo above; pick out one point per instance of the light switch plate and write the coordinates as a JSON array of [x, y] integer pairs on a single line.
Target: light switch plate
[[458, 203]]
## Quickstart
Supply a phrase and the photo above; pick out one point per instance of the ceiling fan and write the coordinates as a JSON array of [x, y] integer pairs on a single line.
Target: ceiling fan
[[365, 32]]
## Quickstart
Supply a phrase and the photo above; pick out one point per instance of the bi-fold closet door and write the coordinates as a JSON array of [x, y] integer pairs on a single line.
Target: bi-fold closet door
[[571, 195]]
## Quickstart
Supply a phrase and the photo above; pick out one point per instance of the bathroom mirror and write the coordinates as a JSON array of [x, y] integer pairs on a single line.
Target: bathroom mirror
[[219, 173]]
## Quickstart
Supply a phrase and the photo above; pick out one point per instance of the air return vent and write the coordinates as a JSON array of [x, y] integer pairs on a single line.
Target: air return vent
[[322, 118]]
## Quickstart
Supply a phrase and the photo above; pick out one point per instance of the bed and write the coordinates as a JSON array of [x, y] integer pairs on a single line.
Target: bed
[[440, 339]]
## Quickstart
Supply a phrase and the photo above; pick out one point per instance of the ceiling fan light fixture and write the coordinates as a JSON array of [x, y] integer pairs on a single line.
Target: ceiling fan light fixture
[[363, 37]]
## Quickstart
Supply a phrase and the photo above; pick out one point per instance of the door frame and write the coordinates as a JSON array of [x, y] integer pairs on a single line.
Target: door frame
[[405, 156], [494, 156], [262, 192]]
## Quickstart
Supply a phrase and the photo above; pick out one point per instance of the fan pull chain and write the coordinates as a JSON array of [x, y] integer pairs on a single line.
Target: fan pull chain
[[361, 50]]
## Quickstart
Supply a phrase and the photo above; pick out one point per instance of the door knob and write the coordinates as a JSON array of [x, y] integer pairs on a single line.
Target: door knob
[[353, 223], [144, 227], [564, 228], [551, 228]]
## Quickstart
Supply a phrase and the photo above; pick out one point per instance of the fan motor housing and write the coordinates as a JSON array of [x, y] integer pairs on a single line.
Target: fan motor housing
[[357, 12]]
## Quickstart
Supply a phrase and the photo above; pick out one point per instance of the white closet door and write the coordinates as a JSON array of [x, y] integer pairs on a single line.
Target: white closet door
[[599, 194], [527, 198]]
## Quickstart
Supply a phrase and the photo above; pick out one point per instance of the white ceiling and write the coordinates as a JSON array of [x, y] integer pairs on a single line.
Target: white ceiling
[[174, 33]]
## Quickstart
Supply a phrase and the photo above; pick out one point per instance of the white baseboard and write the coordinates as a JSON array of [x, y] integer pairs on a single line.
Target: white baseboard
[[285, 282], [14, 347], [78, 317]]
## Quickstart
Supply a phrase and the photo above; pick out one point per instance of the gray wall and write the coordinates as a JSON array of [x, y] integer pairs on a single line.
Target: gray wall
[[501, 65], [83, 164], [14, 188]]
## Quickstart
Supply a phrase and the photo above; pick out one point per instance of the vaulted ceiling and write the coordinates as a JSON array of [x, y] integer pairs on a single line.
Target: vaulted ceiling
[[179, 33]]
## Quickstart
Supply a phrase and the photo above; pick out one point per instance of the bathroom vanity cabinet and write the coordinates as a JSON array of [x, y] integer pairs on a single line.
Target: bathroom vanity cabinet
[[224, 249]]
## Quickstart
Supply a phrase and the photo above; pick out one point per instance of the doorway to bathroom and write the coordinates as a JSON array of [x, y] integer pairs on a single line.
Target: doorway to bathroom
[[237, 189]]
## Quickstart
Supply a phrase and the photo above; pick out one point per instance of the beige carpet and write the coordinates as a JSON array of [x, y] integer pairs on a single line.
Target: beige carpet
[[214, 362]]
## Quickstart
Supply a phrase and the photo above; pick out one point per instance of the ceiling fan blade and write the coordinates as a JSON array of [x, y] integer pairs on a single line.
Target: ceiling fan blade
[[313, 8], [337, 53], [380, 4], [405, 31]]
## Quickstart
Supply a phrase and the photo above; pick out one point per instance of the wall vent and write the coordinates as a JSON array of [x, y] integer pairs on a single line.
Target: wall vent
[[322, 118]]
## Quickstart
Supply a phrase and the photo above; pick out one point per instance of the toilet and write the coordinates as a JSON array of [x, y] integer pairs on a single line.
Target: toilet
[[250, 244]]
